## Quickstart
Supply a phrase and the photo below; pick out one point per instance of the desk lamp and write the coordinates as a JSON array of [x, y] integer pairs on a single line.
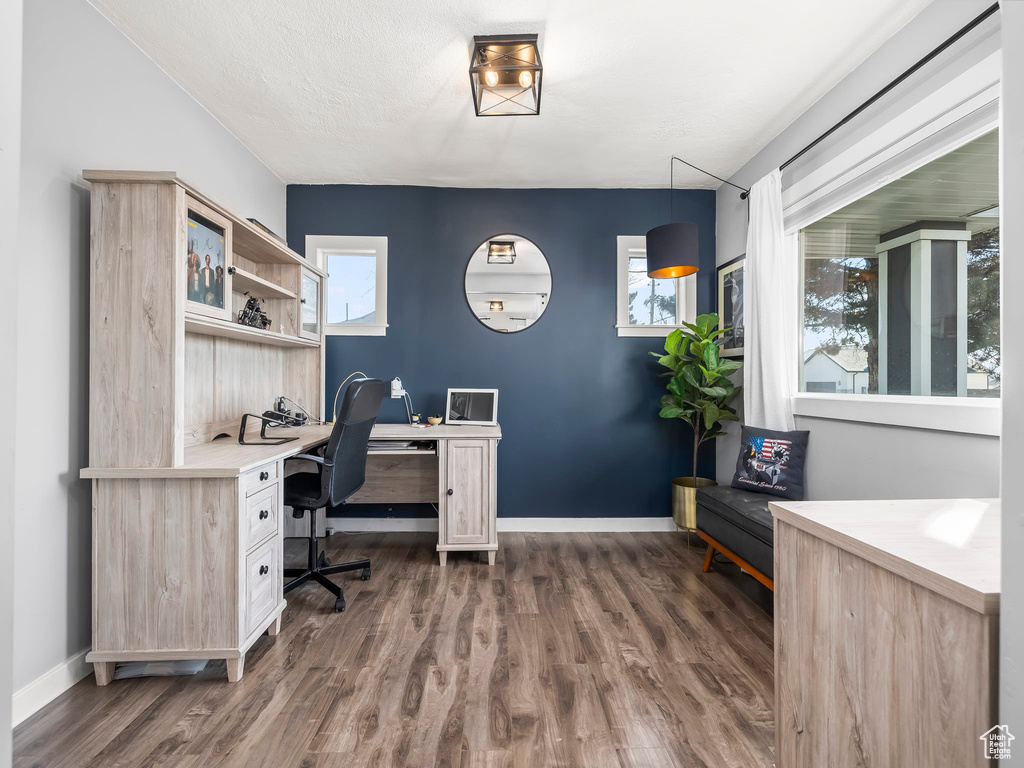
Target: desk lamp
[[398, 391]]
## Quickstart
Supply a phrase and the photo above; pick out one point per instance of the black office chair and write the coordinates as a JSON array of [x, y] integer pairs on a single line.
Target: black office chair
[[341, 471]]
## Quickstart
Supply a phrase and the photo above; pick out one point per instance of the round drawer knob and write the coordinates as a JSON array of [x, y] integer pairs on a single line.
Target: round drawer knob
[[450, 491], [264, 514], [264, 570], [264, 475]]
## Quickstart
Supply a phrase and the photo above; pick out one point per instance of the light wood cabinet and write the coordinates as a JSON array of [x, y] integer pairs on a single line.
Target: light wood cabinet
[[187, 560], [886, 632], [468, 492], [175, 564], [468, 496]]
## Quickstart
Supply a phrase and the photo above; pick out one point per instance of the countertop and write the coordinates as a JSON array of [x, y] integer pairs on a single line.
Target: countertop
[[226, 458], [950, 546]]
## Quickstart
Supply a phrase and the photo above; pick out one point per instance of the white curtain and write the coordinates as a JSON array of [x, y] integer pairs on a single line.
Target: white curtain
[[770, 295]]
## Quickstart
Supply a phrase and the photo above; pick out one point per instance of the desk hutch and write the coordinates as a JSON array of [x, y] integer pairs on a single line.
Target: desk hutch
[[187, 523]]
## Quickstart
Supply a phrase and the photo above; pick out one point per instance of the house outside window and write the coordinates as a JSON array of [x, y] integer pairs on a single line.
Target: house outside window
[[901, 287]]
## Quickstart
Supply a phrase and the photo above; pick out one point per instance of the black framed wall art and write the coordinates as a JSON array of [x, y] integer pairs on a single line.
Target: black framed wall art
[[730, 306]]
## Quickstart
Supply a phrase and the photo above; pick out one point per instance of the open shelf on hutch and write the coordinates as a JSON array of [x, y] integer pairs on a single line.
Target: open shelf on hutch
[[209, 326], [245, 281]]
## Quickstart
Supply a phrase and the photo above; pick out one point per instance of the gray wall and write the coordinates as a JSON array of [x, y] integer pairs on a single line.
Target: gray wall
[[1011, 619], [91, 100], [10, 160], [849, 460]]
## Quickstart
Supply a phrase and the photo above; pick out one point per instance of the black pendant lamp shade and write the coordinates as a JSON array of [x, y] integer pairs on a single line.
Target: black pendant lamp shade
[[672, 250]]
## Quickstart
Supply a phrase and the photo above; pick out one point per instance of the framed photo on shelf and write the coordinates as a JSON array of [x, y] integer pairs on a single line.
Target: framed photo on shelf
[[730, 306], [207, 262]]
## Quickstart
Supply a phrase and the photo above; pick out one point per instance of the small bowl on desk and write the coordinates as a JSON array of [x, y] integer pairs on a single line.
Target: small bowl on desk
[[434, 420]]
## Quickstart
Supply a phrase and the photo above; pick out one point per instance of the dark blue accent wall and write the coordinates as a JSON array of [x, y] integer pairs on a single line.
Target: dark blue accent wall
[[578, 405]]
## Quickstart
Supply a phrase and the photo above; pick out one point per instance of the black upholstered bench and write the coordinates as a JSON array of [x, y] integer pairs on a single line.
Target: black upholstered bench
[[737, 523]]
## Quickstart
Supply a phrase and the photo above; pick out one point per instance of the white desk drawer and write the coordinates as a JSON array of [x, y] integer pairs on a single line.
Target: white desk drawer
[[262, 583], [257, 477], [261, 515]]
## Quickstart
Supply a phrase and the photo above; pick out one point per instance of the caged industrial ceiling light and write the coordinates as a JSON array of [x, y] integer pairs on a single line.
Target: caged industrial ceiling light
[[505, 73], [501, 252]]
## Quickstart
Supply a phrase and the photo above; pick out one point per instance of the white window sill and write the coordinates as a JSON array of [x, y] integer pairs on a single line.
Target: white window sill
[[645, 331], [981, 416], [355, 330]]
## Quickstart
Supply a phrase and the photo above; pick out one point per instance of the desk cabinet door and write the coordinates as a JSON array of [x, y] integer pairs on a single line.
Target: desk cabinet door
[[468, 500], [309, 306]]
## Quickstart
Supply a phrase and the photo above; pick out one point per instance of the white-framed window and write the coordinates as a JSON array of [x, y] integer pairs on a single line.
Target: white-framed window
[[899, 268], [644, 306], [901, 286], [356, 295]]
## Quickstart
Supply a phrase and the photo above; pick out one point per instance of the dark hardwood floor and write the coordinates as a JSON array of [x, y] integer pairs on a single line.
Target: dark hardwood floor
[[593, 650]]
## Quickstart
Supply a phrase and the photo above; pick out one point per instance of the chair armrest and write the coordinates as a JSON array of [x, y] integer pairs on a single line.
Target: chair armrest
[[309, 457]]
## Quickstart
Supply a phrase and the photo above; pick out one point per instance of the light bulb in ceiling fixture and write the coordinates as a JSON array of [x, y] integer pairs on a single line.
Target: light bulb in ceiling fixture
[[491, 78], [526, 78]]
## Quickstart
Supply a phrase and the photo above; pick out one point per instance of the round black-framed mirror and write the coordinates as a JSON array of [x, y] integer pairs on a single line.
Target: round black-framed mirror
[[507, 282]]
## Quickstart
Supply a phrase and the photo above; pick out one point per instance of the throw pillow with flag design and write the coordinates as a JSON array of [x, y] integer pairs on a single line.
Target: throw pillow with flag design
[[772, 462]]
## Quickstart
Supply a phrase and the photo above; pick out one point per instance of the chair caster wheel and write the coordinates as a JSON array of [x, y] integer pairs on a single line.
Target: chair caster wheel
[[365, 575], [323, 561], [339, 605]]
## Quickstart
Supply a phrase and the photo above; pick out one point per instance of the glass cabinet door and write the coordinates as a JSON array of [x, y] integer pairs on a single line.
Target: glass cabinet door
[[309, 308]]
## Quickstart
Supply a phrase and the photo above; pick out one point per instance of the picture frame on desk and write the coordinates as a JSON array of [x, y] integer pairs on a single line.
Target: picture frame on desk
[[207, 262], [730, 305], [476, 407]]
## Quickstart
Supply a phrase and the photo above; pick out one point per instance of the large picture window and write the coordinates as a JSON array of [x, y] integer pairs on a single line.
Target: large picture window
[[901, 287]]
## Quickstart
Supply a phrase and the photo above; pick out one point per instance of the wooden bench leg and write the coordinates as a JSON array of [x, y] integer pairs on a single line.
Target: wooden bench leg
[[715, 546], [708, 557]]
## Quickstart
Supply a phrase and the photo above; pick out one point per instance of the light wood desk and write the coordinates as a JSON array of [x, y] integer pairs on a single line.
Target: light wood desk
[[187, 529], [886, 632], [187, 560]]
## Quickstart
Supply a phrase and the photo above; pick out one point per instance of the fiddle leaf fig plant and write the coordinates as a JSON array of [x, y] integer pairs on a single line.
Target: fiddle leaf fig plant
[[699, 388]]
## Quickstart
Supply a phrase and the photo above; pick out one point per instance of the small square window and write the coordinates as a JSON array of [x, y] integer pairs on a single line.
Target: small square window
[[645, 306], [356, 292]]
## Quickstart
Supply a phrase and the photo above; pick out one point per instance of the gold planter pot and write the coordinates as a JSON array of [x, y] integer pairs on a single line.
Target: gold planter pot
[[684, 500]]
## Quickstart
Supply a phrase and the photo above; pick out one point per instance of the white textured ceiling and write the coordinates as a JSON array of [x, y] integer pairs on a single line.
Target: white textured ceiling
[[378, 92]]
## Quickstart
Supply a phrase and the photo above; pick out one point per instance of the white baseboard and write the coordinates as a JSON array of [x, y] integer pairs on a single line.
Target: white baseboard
[[44, 689], [508, 524]]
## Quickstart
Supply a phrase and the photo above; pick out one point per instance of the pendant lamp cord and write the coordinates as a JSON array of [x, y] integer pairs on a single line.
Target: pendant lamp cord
[[744, 193]]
